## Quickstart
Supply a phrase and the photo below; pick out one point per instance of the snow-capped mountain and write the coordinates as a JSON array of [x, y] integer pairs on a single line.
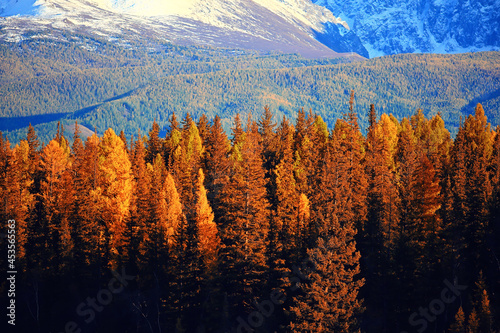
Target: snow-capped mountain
[[313, 28], [281, 25], [437, 26]]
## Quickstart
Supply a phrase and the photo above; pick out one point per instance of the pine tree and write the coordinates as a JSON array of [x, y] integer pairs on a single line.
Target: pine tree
[[34, 145], [406, 161], [377, 237], [175, 215], [208, 239], [31, 167], [481, 302], [157, 224], [244, 223], [166, 212], [87, 233], [287, 196], [485, 315], [352, 145], [174, 261], [204, 128], [217, 165], [162, 267], [328, 299], [407, 248], [473, 322], [172, 140], [304, 223], [478, 135], [269, 152], [329, 296], [124, 139], [433, 139], [187, 159], [57, 197], [427, 203], [16, 198], [303, 152], [471, 188], [114, 192], [384, 178], [458, 325], [457, 209], [139, 208], [494, 207], [154, 145]]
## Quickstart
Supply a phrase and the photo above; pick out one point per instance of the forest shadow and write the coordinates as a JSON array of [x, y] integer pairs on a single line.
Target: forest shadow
[[15, 123]]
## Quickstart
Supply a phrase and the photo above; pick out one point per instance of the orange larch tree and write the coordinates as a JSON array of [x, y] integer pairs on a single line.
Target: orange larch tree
[[113, 193], [208, 238], [56, 194], [244, 222]]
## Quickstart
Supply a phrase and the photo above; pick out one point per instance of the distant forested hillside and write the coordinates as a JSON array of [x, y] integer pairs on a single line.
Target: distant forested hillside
[[102, 84]]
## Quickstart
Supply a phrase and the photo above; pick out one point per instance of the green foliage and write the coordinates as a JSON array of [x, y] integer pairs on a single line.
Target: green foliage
[[104, 85]]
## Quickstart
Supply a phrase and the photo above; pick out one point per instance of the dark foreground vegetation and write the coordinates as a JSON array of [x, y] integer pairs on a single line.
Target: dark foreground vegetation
[[287, 227]]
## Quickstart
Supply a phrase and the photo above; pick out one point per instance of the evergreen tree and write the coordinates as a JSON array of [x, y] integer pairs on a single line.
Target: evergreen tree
[[34, 145], [473, 322], [494, 210], [481, 302], [328, 299], [303, 151], [204, 128], [208, 239], [458, 325], [287, 197], [187, 159], [217, 165], [16, 198], [154, 144], [124, 139], [244, 224], [114, 192], [172, 140], [269, 152], [377, 236], [139, 208], [470, 188], [57, 198]]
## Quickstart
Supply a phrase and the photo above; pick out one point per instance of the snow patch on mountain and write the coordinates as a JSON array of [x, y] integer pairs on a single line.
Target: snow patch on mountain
[[437, 26], [282, 25], [214, 12], [148, 8]]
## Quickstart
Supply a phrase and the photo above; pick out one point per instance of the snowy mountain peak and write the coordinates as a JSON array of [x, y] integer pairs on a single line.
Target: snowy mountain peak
[[206, 11], [310, 27], [281, 25], [436, 26]]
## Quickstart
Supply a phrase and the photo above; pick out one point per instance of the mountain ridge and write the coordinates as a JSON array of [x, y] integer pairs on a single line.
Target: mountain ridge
[[414, 26], [104, 85], [266, 25]]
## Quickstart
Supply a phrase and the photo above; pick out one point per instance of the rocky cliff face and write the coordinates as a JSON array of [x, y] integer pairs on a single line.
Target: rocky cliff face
[[437, 26]]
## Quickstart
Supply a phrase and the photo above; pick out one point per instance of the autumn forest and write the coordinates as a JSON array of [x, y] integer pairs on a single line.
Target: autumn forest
[[282, 225]]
